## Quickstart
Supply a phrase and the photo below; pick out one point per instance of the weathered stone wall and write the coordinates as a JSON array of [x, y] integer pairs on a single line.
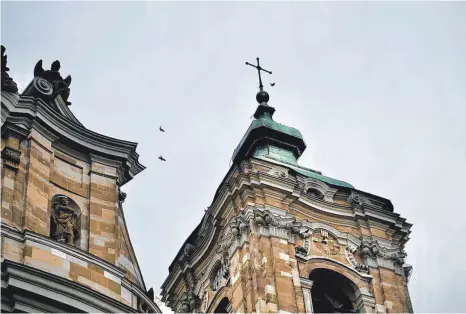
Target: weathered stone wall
[[45, 169]]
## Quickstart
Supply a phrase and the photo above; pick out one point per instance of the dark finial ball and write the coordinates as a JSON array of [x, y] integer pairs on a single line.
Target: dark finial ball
[[262, 97]]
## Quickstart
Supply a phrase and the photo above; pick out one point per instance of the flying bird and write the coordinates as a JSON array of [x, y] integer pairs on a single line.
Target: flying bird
[[272, 84], [161, 158], [161, 130]]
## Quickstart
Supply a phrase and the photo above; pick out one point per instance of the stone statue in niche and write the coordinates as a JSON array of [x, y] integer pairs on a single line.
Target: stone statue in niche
[[65, 224]]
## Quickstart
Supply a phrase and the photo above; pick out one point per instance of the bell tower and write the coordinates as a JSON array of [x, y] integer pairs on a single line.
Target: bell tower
[[280, 237]]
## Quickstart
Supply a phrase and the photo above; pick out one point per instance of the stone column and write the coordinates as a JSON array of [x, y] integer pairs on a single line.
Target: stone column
[[306, 285]]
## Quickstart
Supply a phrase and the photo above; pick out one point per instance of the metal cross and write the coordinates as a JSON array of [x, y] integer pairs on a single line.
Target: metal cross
[[259, 69]]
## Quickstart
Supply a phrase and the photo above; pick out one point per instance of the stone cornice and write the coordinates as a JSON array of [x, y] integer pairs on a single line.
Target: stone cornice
[[29, 112], [13, 233], [68, 290]]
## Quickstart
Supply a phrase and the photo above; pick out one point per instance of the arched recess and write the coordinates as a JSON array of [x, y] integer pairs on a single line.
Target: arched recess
[[332, 292], [218, 301], [224, 306], [65, 217], [359, 285]]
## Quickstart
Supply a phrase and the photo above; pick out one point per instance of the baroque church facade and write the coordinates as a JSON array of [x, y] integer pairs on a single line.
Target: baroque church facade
[[280, 237], [64, 242]]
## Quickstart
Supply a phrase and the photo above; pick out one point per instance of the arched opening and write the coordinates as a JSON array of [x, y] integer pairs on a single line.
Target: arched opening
[[332, 292], [314, 193], [223, 306], [65, 220]]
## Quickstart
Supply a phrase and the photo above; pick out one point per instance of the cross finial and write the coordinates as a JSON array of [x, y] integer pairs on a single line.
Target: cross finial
[[259, 69]]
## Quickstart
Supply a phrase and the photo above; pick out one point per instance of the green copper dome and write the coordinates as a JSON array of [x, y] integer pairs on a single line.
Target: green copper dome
[[265, 133], [269, 140]]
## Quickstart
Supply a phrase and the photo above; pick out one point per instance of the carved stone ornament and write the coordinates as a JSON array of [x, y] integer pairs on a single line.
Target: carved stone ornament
[[359, 266], [326, 243], [65, 223], [11, 157], [279, 172], [398, 258], [49, 83], [370, 249], [304, 249], [356, 199], [8, 85], [189, 303], [238, 226]]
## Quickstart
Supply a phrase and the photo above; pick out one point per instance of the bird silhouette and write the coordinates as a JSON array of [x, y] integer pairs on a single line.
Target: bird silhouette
[[161, 158], [272, 84], [161, 130]]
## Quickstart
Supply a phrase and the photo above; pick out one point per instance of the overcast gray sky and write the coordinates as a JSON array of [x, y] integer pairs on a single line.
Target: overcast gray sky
[[378, 91]]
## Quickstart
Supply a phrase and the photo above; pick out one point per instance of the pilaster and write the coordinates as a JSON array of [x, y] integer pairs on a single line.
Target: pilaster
[[104, 198], [306, 285]]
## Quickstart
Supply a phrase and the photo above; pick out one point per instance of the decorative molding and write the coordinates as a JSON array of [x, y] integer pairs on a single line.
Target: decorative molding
[[58, 292], [279, 172], [361, 275], [27, 112], [11, 157], [234, 185], [27, 235], [327, 192]]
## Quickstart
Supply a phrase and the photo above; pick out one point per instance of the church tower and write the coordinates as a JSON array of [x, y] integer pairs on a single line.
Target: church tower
[[280, 237], [64, 242]]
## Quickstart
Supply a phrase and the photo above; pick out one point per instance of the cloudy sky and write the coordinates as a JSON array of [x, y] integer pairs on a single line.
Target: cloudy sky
[[378, 91]]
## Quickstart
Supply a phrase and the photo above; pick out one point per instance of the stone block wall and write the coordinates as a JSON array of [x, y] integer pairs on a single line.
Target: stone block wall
[[37, 167]]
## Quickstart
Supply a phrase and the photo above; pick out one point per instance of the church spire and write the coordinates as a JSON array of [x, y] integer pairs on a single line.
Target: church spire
[[265, 137]]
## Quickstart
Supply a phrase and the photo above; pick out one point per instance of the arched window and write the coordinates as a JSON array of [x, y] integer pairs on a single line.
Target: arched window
[[314, 193], [65, 220], [332, 292], [223, 306]]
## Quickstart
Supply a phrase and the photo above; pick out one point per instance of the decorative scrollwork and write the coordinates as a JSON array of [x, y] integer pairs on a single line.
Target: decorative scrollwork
[[43, 86], [349, 253]]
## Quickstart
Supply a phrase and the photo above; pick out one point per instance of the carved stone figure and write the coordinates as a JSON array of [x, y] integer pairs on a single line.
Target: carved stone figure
[[399, 258], [8, 85], [65, 222], [60, 85], [189, 303], [239, 226], [370, 249]]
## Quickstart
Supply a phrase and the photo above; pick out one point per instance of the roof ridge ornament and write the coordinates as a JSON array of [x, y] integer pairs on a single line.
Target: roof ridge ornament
[[8, 85], [60, 85], [262, 96]]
